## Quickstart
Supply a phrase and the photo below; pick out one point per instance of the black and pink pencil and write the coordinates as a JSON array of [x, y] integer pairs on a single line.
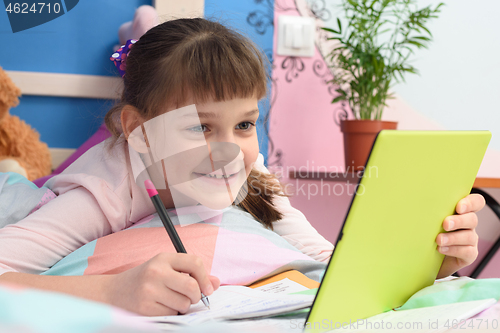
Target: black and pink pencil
[[169, 226]]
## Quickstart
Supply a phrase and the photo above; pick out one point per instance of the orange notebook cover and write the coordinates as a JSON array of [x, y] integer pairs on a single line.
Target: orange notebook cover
[[293, 275]]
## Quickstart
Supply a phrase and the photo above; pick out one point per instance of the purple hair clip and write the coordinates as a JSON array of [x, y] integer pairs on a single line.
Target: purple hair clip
[[120, 56]]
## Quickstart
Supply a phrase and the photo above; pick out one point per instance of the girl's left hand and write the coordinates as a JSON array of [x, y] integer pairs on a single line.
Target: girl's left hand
[[460, 243]]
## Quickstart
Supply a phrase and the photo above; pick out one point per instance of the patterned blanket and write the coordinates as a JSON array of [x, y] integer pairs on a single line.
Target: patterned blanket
[[233, 246]]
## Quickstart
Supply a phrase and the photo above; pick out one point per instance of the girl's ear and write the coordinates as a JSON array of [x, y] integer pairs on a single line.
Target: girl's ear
[[130, 119]]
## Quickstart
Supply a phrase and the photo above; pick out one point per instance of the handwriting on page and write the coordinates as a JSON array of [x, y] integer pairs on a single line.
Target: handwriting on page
[[285, 286], [238, 302]]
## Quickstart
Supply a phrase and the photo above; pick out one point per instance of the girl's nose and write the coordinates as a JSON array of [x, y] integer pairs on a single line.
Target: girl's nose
[[226, 136], [223, 151]]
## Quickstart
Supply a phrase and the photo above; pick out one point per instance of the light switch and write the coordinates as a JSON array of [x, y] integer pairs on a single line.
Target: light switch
[[288, 31], [296, 36]]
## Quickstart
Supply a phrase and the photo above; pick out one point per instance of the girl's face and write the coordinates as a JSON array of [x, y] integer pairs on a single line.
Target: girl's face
[[232, 122], [207, 150]]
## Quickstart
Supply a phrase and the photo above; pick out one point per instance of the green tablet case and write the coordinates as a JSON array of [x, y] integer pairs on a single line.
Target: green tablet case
[[386, 250]]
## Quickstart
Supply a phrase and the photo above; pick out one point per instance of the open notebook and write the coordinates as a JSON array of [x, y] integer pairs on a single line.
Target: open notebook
[[239, 302], [283, 293]]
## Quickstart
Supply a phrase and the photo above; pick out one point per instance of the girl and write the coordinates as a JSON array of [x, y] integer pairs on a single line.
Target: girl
[[101, 228]]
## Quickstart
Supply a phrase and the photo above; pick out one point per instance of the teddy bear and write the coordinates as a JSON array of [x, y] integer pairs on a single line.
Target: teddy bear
[[21, 150]]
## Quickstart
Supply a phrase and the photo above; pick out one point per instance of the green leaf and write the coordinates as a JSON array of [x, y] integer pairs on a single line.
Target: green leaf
[[338, 99], [341, 91], [413, 42], [437, 10], [423, 27], [422, 38], [330, 30], [335, 38]]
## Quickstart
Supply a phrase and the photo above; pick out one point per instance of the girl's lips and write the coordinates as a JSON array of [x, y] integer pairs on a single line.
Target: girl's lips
[[217, 174], [216, 179]]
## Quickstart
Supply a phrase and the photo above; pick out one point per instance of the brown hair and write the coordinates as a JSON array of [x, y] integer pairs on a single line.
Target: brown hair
[[203, 60]]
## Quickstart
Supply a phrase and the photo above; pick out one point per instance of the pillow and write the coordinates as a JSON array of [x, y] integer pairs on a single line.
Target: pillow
[[19, 197]]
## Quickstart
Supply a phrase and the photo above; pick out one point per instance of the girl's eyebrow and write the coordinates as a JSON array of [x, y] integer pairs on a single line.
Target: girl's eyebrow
[[251, 113], [214, 115]]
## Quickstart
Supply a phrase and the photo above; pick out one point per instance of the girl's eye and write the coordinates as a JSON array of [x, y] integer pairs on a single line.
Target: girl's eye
[[245, 126], [198, 129]]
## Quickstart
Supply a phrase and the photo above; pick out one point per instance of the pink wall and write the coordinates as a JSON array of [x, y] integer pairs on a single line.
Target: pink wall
[[302, 127], [302, 116]]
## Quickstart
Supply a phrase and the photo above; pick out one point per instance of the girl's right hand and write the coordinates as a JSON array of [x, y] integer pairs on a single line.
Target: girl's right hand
[[160, 286]]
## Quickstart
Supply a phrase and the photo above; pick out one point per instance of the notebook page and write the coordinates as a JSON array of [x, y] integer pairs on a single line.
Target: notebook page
[[238, 302]]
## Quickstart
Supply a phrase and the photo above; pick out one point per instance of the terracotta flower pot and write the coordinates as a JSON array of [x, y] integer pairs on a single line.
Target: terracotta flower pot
[[359, 136]]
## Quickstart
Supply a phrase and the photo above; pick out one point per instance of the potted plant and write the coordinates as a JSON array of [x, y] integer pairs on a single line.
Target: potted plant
[[370, 54]]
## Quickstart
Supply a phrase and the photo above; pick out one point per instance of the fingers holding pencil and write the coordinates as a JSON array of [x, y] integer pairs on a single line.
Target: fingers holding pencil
[[199, 281], [167, 284]]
